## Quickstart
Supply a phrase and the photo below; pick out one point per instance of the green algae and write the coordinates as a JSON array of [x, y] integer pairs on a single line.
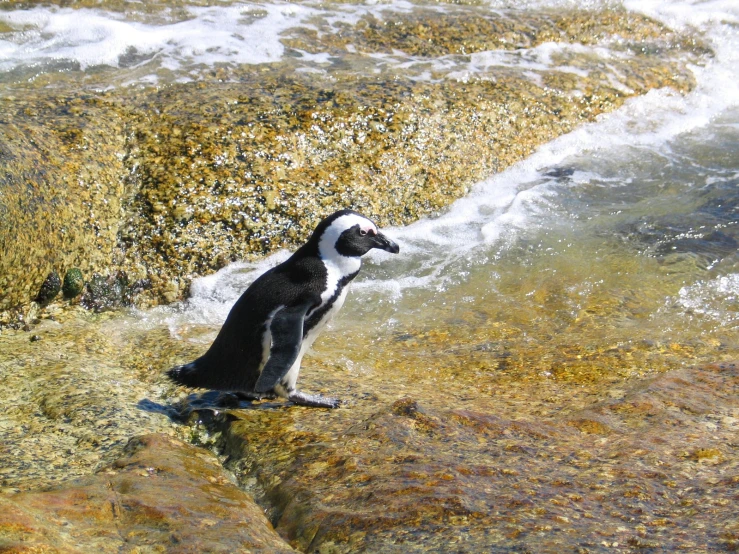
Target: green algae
[[73, 284]]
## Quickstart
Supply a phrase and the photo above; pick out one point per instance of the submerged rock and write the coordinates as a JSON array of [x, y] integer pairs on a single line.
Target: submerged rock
[[416, 476], [452, 448], [162, 494]]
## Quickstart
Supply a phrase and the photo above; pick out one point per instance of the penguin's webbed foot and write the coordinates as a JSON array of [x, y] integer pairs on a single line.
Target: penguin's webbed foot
[[248, 395], [313, 400]]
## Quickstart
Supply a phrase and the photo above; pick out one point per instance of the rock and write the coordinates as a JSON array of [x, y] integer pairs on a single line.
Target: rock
[[437, 478], [74, 283], [170, 181], [108, 293], [73, 399], [161, 495], [49, 288], [61, 186]]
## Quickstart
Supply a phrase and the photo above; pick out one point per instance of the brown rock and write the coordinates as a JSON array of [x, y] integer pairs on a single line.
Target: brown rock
[[162, 496], [420, 477]]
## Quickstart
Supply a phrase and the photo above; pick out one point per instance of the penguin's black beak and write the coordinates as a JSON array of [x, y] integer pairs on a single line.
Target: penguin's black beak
[[384, 243]]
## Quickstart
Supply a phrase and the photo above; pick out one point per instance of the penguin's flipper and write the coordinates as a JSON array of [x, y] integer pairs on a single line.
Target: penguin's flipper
[[287, 335]]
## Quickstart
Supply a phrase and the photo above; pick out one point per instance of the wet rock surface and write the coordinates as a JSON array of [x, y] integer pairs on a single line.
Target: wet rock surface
[[62, 189], [427, 455], [652, 466], [71, 392], [171, 183], [49, 288], [161, 495], [111, 292]]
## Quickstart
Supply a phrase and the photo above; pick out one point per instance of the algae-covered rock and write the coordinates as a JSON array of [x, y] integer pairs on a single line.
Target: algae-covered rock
[[49, 288], [271, 162], [111, 292], [105, 293], [161, 495], [173, 182], [73, 284], [462, 474], [75, 396], [61, 187]]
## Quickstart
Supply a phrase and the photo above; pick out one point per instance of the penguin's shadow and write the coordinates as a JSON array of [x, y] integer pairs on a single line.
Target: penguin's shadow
[[212, 403]]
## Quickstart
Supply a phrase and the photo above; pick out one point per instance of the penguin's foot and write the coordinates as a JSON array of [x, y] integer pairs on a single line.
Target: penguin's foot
[[313, 400], [248, 395]]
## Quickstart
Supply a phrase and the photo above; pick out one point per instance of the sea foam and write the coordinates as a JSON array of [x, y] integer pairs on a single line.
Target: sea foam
[[507, 200], [47, 38], [239, 34]]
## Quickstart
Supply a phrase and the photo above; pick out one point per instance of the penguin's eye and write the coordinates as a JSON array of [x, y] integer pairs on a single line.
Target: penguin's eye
[[362, 232]]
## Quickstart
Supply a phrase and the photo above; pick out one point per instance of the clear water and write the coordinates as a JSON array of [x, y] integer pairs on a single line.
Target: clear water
[[620, 235]]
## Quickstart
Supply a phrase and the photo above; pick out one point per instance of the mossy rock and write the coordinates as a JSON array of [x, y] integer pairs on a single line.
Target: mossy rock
[[172, 182]]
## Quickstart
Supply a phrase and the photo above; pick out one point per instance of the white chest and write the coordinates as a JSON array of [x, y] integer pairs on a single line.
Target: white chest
[[336, 270]]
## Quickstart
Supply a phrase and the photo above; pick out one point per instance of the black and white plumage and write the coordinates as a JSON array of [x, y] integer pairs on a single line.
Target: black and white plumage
[[258, 351]]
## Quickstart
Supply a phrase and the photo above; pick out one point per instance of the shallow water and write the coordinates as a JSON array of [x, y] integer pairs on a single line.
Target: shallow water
[[629, 250], [570, 313]]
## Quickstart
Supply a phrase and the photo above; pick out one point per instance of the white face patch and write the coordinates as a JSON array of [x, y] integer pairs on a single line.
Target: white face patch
[[338, 265], [327, 244]]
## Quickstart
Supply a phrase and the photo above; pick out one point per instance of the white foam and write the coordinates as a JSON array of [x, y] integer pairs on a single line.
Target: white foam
[[717, 298], [497, 209], [510, 198], [538, 58], [251, 33], [211, 296], [242, 33], [239, 34]]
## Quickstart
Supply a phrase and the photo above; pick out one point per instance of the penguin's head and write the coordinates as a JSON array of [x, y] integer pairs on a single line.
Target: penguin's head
[[350, 234]]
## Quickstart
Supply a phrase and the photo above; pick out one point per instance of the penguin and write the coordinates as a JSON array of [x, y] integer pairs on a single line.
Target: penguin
[[258, 351]]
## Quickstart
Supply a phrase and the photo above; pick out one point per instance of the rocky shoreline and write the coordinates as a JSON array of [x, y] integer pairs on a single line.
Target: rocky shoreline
[[459, 433], [172, 183], [136, 504], [642, 463]]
